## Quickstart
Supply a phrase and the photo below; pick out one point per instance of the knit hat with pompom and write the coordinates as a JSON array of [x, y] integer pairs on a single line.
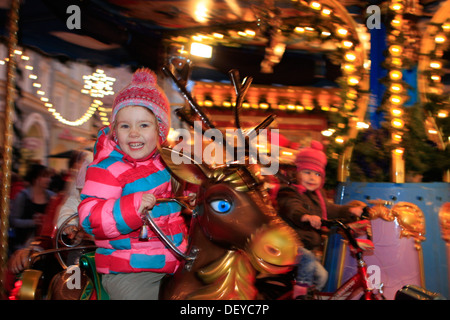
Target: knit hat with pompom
[[312, 158], [144, 91]]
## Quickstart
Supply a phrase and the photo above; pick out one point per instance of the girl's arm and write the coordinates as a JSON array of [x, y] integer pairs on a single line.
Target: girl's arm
[[104, 212], [336, 211], [69, 207], [290, 206]]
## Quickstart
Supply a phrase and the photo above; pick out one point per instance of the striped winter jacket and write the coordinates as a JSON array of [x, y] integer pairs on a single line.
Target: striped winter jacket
[[108, 211]]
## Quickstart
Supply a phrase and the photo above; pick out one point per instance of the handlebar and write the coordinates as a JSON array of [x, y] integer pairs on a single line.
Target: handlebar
[[148, 220], [365, 214], [348, 231]]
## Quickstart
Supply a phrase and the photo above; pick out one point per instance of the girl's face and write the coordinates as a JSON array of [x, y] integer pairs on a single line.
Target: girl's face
[[311, 180], [136, 131]]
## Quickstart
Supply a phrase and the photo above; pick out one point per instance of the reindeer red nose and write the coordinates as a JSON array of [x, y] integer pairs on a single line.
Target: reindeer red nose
[[274, 249], [271, 250]]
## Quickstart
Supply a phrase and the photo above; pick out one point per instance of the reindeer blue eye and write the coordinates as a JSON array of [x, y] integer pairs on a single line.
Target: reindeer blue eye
[[221, 206]]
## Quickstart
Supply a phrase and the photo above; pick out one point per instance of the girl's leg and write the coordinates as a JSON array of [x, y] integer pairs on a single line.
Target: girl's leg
[[305, 273], [306, 267], [320, 276], [132, 286]]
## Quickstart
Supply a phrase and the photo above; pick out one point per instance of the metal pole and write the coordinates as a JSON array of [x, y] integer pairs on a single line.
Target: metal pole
[[8, 140]]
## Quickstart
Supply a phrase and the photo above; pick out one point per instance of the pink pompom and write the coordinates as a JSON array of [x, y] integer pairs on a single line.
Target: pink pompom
[[316, 145], [144, 75]]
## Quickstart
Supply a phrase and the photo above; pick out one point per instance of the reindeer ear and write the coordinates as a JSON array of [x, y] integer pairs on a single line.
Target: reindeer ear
[[188, 170]]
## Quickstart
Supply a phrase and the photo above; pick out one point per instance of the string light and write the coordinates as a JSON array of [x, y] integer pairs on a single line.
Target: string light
[[430, 75], [98, 85], [316, 5], [46, 101], [395, 96], [354, 64]]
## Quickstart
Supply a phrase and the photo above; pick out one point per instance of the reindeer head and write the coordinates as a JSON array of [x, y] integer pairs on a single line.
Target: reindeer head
[[234, 210]]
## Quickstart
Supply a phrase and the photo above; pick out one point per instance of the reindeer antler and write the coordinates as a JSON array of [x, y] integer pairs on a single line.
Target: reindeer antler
[[241, 91], [189, 98]]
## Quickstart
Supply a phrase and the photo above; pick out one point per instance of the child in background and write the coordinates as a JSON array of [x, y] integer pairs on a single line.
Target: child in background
[[303, 206], [122, 183]]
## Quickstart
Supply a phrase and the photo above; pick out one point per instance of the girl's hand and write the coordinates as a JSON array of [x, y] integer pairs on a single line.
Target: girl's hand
[[313, 220], [357, 211], [147, 203]]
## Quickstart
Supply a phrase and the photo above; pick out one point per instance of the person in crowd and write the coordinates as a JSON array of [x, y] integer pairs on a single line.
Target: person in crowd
[[302, 206], [17, 185], [123, 183], [29, 205], [74, 187], [61, 207]]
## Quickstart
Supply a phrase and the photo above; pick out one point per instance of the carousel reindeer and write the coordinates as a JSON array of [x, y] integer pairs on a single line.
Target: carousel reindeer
[[235, 234]]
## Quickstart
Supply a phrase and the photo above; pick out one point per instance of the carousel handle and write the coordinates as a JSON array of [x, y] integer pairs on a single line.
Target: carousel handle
[[148, 220], [60, 241]]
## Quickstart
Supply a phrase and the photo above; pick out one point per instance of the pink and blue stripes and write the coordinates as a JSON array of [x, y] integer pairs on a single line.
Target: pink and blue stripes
[[108, 211]]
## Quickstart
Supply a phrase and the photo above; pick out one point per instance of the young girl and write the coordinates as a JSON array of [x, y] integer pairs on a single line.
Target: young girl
[[122, 183], [303, 206]]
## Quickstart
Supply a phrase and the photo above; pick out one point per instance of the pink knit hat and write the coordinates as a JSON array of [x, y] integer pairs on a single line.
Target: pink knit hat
[[144, 91], [312, 158]]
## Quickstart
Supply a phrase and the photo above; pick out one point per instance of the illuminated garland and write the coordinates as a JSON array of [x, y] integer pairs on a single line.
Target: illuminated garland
[[436, 103], [396, 93], [43, 96]]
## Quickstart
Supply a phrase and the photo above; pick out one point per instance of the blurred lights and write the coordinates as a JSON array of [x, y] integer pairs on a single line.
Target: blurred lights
[[395, 50], [442, 114], [201, 50], [339, 140], [395, 75], [436, 64], [395, 99], [350, 56], [98, 85], [326, 12], [342, 32], [398, 151], [362, 125], [440, 38], [397, 123]]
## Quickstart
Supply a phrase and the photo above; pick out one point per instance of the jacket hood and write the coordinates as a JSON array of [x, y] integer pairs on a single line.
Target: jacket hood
[[104, 145]]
